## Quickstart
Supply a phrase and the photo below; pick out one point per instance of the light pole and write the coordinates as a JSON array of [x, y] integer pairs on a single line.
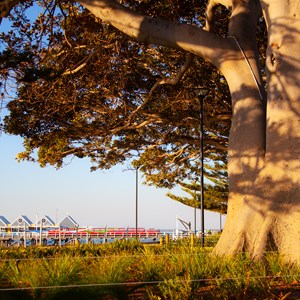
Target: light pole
[[136, 198], [195, 220], [195, 208], [201, 94], [136, 201]]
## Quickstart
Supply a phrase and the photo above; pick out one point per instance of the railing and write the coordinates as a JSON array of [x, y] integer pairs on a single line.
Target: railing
[[63, 237]]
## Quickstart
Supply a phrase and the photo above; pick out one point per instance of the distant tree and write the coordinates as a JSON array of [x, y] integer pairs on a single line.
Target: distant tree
[[215, 193], [263, 150], [215, 196]]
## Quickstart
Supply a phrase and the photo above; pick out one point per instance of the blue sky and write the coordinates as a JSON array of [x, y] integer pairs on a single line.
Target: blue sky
[[92, 198]]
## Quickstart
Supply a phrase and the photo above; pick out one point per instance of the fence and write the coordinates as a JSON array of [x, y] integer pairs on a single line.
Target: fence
[[63, 237]]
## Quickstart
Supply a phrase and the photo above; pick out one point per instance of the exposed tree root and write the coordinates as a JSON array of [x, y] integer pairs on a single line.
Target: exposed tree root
[[258, 234]]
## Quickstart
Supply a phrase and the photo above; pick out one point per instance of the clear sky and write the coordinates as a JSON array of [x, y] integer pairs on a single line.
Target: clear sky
[[92, 198]]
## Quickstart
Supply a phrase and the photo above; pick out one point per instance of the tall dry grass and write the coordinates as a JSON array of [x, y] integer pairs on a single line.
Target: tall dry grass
[[123, 269]]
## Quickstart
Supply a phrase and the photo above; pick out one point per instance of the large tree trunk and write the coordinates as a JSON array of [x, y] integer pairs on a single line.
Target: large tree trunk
[[267, 215]]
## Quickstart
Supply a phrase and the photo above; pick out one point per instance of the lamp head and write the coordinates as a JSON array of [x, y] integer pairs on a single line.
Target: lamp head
[[201, 92]]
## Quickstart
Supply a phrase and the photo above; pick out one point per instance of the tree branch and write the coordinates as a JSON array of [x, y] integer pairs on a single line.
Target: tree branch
[[6, 6], [82, 63], [177, 78], [161, 32], [210, 12]]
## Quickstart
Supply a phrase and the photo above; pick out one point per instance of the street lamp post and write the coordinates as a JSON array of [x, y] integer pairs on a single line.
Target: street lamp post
[[195, 208], [195, 220], [136, 201], [201, 94]]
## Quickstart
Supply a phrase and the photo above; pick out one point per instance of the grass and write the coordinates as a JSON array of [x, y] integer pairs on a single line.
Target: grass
[[125, 270]]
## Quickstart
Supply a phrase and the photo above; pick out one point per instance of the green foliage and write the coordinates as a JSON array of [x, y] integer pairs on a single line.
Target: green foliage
[[215, 196], [177, 288], [122, 270], [43, 272]]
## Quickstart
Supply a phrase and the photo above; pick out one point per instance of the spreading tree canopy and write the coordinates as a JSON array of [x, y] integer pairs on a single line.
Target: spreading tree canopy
[[111, 102], [86, 89]]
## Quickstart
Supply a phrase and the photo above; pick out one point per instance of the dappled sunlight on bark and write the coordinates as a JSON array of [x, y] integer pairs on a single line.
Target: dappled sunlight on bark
[[264, 210]]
